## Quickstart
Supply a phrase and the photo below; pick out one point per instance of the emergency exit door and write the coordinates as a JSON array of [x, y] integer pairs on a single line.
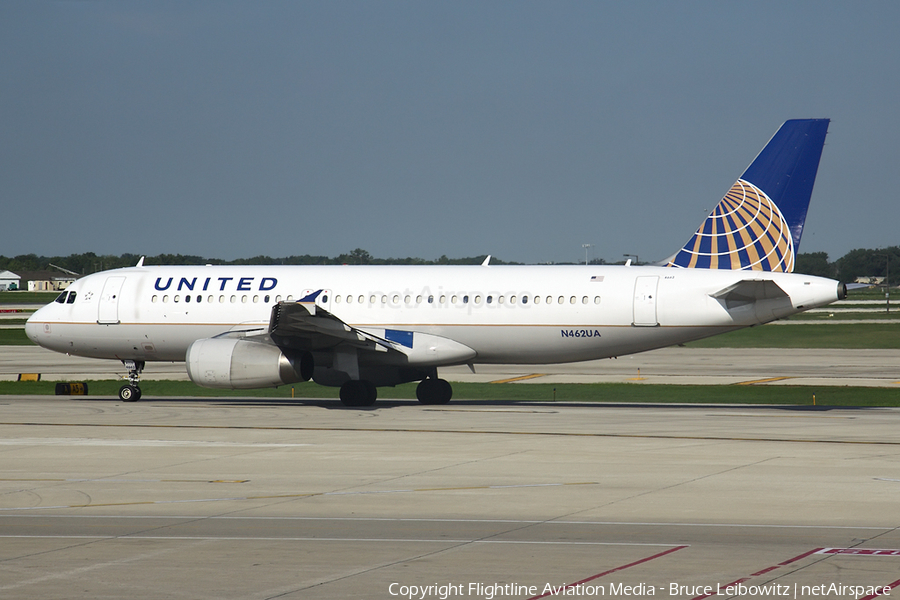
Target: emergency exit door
[[645, 301], [108, 309]]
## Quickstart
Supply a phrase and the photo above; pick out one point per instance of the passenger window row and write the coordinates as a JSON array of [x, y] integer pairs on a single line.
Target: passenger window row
[[455, 299], [222, 299]]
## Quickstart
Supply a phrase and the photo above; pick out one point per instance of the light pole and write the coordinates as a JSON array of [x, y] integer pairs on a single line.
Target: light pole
[[887, 281], [586, 246]]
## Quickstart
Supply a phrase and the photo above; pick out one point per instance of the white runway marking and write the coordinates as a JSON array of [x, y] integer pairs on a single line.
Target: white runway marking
[[139, 443], [208, 538], [473, 521]]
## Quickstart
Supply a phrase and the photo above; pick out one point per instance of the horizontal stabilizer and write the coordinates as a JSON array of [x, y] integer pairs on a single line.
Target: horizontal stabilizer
[[749, 291]]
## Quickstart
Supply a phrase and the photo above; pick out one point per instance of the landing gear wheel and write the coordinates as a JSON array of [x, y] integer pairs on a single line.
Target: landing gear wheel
[[372, 393], [434, 391], [129, 393], [358, 393]]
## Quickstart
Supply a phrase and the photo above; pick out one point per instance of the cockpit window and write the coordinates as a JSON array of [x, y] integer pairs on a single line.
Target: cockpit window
[[71, 299], [61, 299]]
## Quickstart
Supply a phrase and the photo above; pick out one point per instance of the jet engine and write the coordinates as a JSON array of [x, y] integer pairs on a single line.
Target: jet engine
[[237, 363]]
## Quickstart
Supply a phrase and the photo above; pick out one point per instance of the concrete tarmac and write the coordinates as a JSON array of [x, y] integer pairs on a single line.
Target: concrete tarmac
[[232, 498], [725, 366]]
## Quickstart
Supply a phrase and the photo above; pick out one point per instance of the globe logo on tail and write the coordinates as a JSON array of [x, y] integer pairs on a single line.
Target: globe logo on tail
[[745, 231]]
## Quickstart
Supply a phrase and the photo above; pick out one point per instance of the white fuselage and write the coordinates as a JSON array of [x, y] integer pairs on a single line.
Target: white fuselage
[[506, 314]]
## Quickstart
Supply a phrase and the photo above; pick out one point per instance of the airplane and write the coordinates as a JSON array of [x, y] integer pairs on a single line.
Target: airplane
[[364, 327]]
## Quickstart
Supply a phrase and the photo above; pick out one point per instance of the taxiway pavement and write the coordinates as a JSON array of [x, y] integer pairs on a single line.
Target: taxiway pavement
[[767, 366], [230, 498]]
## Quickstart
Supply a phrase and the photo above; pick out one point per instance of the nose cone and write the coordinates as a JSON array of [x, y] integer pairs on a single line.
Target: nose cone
[[35, 326]]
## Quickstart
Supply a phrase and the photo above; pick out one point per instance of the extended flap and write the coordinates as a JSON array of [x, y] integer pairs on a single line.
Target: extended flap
[[308, 327]]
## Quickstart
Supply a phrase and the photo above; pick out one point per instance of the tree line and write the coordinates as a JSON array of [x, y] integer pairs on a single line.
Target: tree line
[[89, 262], [862, 262], [857, 263]]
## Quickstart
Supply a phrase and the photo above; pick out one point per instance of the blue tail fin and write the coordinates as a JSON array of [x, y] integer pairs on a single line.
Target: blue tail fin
[[757, 225]]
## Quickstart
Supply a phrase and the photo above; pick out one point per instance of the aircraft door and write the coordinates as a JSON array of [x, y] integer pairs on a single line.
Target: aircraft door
[[645, 301], [108, 309]]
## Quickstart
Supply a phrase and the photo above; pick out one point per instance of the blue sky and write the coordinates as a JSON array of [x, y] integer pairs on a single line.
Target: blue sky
[[519, 129]]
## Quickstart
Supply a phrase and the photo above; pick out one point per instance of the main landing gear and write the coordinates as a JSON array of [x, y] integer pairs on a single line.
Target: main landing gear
[[131, 392], [434, 391], [357, 392]]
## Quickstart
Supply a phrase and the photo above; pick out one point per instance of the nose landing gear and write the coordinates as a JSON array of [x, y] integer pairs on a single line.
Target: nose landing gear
[[132, 392]]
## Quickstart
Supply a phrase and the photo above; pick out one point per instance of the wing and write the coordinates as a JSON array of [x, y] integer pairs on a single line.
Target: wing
[[305, 326]]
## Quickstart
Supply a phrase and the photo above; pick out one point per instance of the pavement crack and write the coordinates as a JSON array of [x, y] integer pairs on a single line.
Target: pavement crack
[[663, 488]]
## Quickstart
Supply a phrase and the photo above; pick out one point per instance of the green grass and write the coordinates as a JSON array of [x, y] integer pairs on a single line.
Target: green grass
[[511, 392], [848, 316], [19, 297], [14, 337], [869, 293], [881, 336]]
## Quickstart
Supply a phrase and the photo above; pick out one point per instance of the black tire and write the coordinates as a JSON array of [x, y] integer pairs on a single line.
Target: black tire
[[356, 393], [445, 391], [129, 393], [372, 393], [434, 391]]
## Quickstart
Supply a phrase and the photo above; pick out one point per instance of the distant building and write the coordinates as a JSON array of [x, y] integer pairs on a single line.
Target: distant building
[[45, 281], [9, 281], [870, 280]]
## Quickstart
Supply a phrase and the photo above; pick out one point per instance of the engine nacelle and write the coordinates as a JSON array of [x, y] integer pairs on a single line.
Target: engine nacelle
[[235, 363]]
